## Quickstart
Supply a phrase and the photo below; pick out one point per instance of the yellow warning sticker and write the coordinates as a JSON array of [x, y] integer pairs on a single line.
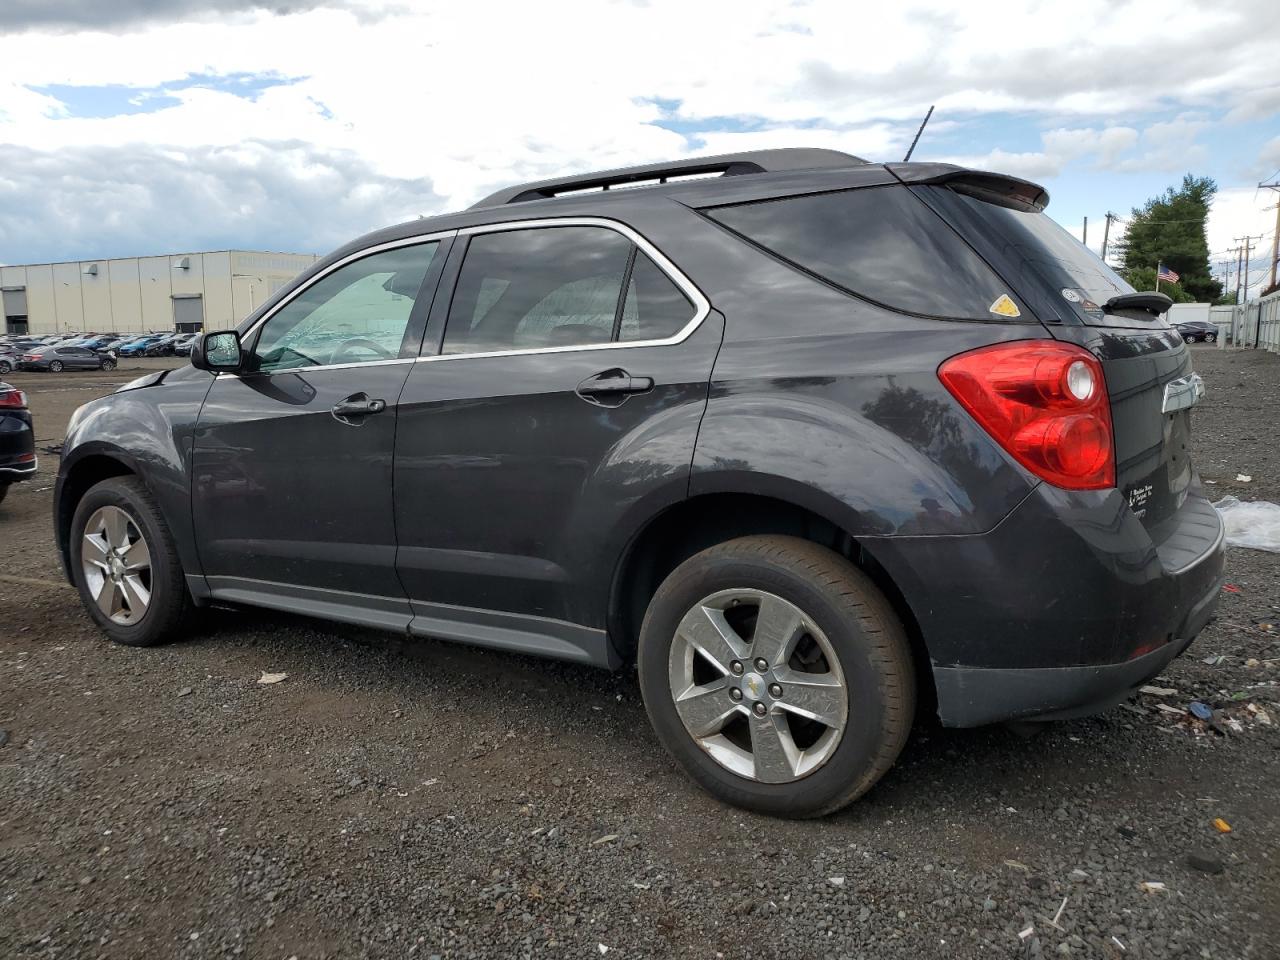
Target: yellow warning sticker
[[1005, 307]]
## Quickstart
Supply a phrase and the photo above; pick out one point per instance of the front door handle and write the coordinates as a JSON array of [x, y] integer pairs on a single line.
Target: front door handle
[[357, 405], [613, 385]]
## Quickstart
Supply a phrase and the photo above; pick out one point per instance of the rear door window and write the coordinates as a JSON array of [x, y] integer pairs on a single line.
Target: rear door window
[[881, 244], [571, 286]]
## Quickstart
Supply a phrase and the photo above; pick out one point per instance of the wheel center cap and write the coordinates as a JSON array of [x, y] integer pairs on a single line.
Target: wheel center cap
[[754, 686], [117, 567]]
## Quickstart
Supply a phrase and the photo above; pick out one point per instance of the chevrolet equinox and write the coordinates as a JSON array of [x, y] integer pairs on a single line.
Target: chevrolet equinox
[[805, 438]]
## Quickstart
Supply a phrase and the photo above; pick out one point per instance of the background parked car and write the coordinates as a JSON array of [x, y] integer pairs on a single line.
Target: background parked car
[[1198, 331], [137, 348], [17, 438], [59, 358], [183, 348]]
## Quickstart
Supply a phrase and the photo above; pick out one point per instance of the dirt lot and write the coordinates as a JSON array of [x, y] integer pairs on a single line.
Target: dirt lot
[[395, 800]]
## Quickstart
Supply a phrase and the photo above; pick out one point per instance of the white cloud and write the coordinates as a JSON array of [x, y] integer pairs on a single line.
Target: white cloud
[[468, 97]]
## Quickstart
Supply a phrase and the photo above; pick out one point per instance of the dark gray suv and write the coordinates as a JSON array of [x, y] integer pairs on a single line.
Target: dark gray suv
[[810, 440]]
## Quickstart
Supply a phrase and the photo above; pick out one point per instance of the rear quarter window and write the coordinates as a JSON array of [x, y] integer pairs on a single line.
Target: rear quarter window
[[882, 244]]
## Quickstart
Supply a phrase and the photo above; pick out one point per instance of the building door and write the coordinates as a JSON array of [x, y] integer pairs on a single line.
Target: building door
[[15, 309], [188, 313]]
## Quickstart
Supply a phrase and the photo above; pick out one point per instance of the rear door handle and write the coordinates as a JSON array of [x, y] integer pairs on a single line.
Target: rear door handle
[[357, 405], [613, 384]]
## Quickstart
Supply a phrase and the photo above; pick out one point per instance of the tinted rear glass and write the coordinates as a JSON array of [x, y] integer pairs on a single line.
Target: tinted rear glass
[[880, 243], [1071, 273]]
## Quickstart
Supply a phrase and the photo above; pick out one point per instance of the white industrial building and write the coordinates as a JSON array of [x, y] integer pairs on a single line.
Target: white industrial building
[[182, 291]]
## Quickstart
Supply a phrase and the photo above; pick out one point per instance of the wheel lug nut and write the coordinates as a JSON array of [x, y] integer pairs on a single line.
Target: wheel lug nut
[[775, 690], [735, 694], [760, 709], [736, 667], [762, 664]]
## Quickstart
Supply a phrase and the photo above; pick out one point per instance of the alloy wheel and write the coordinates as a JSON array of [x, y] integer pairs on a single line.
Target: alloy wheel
[[116, 562], [758, 685]]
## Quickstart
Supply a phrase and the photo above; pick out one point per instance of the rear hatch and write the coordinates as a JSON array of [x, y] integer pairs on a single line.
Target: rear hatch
[[1146, 365]]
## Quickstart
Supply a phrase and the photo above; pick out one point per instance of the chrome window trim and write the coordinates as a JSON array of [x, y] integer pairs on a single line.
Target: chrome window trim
[[701, 306], [338, 265]]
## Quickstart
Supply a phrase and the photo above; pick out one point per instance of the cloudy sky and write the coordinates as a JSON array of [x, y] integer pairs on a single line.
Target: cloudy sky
[[150, 126]]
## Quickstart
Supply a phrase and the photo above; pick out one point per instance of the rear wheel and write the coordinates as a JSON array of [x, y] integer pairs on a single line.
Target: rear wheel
[[1211, 338], [55, 366], [125, 565], [108, 364], [6, 366], [777, 675]]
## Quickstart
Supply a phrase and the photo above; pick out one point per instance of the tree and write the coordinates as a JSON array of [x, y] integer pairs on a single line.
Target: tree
[[1170, 229]]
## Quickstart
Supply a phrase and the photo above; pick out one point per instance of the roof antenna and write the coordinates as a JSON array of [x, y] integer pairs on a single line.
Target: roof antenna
[[912, 148]]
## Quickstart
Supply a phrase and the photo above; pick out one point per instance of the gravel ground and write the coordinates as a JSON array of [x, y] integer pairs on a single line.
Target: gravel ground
[[391, 799]]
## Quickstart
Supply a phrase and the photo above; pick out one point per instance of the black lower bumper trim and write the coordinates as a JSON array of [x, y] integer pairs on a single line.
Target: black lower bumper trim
[[973, 696]]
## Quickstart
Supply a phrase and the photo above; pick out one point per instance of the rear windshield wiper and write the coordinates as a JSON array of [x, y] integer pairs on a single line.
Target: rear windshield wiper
[[1154, 303]]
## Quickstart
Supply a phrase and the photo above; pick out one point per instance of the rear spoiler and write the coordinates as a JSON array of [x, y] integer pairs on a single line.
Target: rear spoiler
[[997, 188], [1150, 301]]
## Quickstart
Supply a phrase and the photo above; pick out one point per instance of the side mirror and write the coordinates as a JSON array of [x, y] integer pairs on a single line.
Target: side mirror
[[217, 352]]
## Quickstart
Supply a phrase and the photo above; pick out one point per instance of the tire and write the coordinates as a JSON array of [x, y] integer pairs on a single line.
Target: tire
[[4, 491], [839, 607], [160, 619], [55, 366], [1211, 338], [108, 364], [6, 366]]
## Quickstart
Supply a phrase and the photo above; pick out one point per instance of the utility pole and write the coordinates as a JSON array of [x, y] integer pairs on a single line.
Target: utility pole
[[1248, 243], [1275, 237], [1239, 252], [1106, 234], [1085, 241]]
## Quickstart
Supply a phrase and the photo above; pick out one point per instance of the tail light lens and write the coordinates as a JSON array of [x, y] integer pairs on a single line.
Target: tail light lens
[[13, 399], [1046, 403]]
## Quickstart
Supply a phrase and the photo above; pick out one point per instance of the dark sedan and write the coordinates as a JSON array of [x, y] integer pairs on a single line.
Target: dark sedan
[[57, 359], [1198, 331], [17, 438]]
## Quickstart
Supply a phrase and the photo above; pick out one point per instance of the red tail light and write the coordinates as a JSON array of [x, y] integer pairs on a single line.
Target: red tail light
[[1046, 403], [12, 399]]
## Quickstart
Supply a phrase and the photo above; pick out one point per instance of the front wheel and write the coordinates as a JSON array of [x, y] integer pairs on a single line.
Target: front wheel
[[55, 366], [1211, 338], [777, 675], [125, 565], [4, 491], [108, 364], [6, 366]]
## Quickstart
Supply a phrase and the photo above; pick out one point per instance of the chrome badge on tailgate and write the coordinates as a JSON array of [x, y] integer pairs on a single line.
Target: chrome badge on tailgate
[[1183, 393]]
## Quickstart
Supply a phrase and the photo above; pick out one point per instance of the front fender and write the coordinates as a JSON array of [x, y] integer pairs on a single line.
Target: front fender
[[148, 432]]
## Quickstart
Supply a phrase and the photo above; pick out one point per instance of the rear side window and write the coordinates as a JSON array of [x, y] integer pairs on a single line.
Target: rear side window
[[655, 307], [879, 243]]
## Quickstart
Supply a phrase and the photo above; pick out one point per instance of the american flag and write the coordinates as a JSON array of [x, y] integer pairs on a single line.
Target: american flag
[[1164, 273]]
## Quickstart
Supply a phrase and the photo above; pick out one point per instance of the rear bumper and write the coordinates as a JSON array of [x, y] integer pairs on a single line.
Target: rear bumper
[[973, 696], [1062, 609]]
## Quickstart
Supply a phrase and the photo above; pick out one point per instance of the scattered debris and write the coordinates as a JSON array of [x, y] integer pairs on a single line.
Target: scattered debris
[[272, 677], [1151, 691], [836, 881], [4, 737], [1152, 886], [1164, 707], [1201, 711], [1027, 933], [1205, 862], [1078, 876], [1216, 660], [1254, 524], [1116, 941], [607, 838], [602, 948], [1017, 865], [1230, 588], [1221, 825], [1244, 478]]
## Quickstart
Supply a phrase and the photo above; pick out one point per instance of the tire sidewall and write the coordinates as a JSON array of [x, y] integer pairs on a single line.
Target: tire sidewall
[[861, 741], [114, 493]]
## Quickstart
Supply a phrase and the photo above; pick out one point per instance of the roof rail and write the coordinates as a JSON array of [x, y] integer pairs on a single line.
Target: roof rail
[[726, 164]]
